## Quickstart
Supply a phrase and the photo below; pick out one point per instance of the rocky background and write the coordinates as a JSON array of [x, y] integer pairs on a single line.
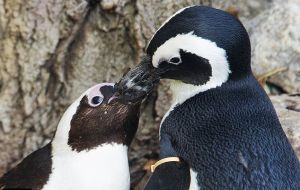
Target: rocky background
[[53, 50]]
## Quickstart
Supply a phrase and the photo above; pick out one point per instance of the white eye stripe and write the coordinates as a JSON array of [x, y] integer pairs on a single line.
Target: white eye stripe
[[198, 46]]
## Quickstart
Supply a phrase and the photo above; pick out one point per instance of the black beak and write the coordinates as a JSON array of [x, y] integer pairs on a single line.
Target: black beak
[[138, 83]]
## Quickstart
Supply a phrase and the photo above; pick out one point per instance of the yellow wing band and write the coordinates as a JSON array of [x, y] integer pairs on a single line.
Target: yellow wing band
[[164, 160]]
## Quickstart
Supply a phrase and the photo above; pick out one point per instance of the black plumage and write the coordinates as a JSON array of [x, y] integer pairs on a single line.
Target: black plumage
[[232, 138], [32, 173], [228, 132]]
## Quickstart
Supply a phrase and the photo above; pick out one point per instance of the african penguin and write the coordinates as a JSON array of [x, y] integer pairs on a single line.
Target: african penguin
[[89, 149], [221, 122]]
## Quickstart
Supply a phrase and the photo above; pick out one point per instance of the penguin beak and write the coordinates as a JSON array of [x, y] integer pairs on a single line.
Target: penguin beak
[[138, 83]]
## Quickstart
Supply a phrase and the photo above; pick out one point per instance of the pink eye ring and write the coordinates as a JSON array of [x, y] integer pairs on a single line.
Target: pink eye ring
[[96, 100]]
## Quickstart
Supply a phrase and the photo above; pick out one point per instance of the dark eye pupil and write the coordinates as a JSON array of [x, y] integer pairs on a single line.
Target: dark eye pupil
[[96, 100], [175, 60]]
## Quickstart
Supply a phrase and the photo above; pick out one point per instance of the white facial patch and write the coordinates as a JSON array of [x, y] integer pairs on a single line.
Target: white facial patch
[[165, 55], [200, 47]]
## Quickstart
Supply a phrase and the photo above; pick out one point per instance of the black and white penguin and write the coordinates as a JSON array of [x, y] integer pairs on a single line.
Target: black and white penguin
[[89, 149], [221, 122]]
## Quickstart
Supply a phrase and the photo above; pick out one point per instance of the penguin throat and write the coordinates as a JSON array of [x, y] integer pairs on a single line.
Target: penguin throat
[[109, 162], [182, 91]]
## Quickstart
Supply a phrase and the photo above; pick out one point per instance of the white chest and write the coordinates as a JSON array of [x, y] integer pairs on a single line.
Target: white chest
[[104, 168]]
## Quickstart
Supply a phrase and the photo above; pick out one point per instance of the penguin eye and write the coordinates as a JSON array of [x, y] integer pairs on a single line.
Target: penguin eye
[[175, 60], [96, 100]]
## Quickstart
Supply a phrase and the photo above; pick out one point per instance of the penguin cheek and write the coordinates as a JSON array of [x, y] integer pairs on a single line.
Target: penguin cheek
[[165, 70], [195, 72], [114, 110]]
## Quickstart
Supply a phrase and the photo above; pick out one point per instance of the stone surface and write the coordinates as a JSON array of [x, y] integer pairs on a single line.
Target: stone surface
[[275, 39], [246, 9], [288, 111]]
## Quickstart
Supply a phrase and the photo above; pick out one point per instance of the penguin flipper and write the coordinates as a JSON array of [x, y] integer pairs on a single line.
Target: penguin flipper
[[170, 176], [32, 173]]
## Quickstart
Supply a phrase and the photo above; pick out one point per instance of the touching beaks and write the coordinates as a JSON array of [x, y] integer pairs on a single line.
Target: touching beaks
[[138, 83]]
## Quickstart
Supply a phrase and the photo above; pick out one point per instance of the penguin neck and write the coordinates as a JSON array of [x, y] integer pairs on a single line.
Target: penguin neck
[[108, 162], [60, 140], [60, 144], [182, 91], [107, 153]]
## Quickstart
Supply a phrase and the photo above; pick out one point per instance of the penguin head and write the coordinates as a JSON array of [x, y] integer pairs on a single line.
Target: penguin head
[[95, 118], [199, 44], [201, 47]]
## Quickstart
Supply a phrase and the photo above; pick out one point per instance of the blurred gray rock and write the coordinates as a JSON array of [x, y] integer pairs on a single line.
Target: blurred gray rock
[[246, 9], [288, 111], [275, 39]]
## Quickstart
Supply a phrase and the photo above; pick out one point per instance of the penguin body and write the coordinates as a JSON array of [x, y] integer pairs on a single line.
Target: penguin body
[[233, 144], [169, 175], [33, 172], [98, 168], [89, 149], [221, 122]]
